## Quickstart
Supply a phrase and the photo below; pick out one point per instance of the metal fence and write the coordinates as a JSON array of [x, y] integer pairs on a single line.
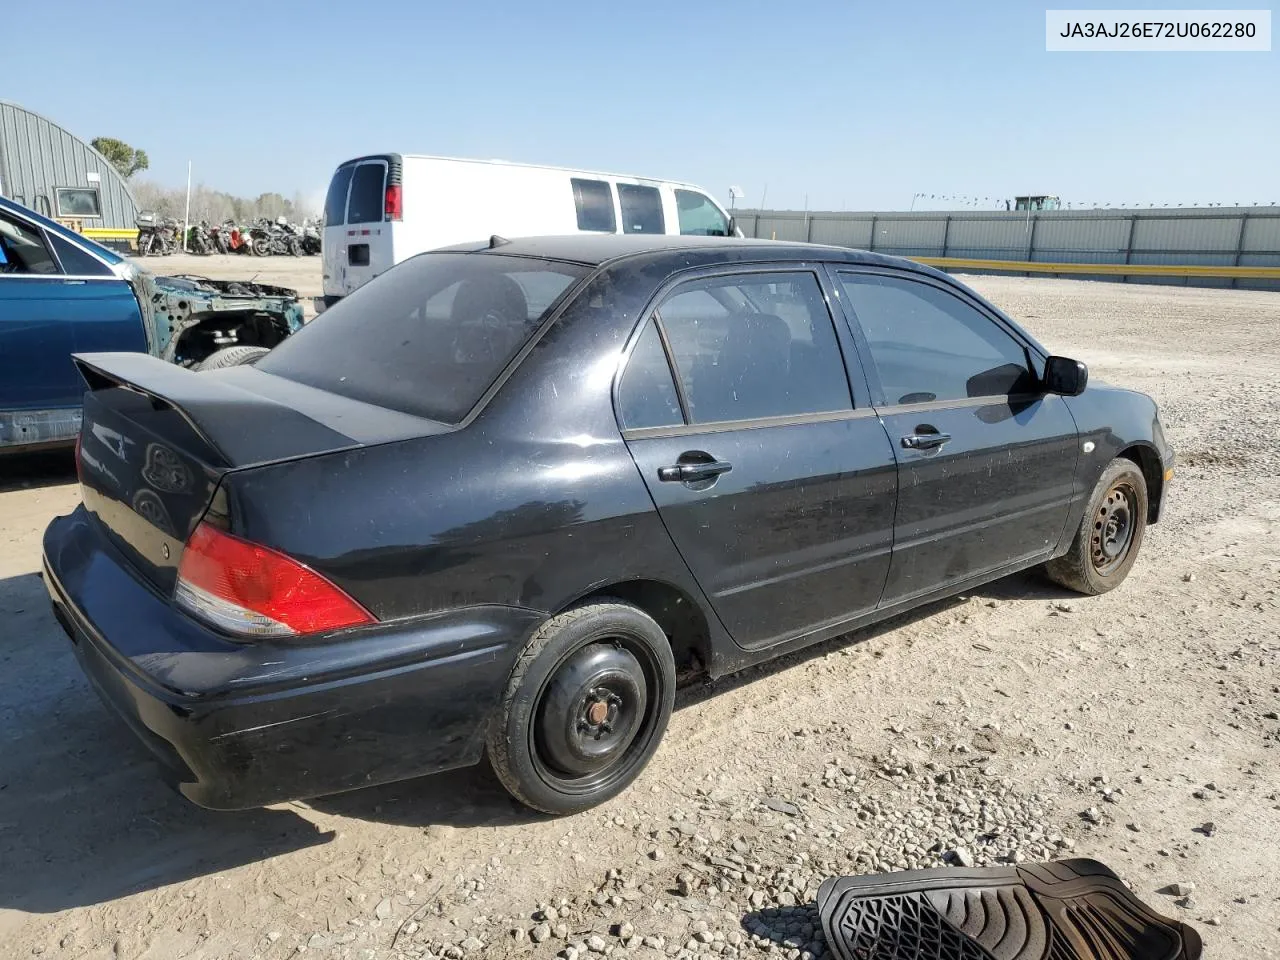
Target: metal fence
[[1235, 245]]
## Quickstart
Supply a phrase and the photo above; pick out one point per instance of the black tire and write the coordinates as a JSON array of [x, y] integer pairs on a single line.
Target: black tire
[[585, 708], [1106, 544], [231, 357]]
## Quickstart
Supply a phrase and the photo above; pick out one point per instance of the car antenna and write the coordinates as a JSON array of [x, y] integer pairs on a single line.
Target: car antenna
[[497, 241]]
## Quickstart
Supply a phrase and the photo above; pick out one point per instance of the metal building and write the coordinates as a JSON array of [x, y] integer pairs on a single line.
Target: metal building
[[50, 170]]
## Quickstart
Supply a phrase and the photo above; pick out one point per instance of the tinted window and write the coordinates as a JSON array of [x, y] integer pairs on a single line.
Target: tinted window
[[928, 344], [427, 337], [78, 201], [641, 209], [335, 202], [368, 202], [752, 346], [646, 393], [699, 217], [76, 261], [594, 202], [22, 249]]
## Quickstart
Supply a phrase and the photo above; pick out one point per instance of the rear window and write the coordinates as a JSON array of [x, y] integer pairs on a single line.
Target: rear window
[[368, 194], [335, 203], [429, 336]]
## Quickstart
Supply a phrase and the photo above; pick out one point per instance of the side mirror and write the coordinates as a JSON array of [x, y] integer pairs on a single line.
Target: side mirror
[[1065, 376]]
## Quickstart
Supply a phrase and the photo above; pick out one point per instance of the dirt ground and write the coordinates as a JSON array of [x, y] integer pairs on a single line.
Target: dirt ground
[[1139, 728]]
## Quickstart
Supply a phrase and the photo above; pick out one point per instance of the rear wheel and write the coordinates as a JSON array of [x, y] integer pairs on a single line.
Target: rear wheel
[[231, 357], [1106, 543], [585, 708]]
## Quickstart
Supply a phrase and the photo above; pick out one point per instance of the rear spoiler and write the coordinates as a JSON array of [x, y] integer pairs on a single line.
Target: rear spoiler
[[240, 426]]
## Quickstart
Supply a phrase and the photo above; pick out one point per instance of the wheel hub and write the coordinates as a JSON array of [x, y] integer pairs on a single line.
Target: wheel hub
[[1113, 527], [591, 709]]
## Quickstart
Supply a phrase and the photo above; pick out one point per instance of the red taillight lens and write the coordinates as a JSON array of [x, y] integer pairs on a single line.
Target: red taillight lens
[[253, 590], [395, 203]]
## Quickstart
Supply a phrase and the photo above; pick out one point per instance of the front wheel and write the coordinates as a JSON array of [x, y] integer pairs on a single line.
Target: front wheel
[[1107, 541], [585, 708]]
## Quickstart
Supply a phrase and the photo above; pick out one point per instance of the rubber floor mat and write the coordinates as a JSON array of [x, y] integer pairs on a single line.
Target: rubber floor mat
[[1065, 910]]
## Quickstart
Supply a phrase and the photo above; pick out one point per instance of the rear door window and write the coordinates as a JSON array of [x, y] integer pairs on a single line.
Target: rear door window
[[593, 200], [641, 209], [699, 217], [335, 202], [367, 203], [753, 346], [22, 249], [428, 337], [647, 392]]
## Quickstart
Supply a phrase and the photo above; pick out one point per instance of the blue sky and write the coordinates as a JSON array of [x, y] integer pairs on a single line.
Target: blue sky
[[856, 105]]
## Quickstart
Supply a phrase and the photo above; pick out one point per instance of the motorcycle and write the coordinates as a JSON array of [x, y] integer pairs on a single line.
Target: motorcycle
[[223, 236], [200, 240], [311, 237], [157, 237]]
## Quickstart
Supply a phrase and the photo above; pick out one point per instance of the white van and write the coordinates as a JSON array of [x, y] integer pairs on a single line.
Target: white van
[[383, 209]]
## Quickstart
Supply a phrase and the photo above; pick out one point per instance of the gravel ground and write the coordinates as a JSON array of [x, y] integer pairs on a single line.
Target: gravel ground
[[1018, 723]]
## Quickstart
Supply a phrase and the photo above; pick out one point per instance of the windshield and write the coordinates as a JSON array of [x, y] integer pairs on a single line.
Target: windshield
[[427, 337]]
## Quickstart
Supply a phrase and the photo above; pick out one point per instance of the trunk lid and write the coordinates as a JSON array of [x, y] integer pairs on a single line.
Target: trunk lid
[[157, 439]]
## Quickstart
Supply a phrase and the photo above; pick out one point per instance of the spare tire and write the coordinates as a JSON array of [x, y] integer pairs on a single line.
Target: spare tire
[[231, 357]]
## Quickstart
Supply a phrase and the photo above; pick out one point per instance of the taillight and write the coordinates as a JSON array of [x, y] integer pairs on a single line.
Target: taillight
[[395, 203], [254, 591]]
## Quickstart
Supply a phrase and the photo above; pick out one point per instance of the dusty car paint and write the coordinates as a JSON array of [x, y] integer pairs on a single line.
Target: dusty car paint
[[461, 539]]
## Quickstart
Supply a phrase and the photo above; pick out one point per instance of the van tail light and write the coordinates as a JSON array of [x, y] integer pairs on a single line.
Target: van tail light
[[395, 202], [253, 591]]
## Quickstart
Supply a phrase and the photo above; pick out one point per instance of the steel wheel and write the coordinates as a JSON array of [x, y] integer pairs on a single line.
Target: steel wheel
[[1113, 528]]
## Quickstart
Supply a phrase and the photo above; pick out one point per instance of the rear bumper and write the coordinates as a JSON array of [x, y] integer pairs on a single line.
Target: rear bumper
[[246, 724]]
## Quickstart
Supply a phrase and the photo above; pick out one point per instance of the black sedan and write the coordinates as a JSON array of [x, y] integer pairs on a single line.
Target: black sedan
[[499, 500]]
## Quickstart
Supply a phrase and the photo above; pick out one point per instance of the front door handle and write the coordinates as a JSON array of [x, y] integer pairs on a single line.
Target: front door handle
[[688, 472], [925, 441]]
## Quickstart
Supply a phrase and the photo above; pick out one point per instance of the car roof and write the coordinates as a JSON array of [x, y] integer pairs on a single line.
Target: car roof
[[99, 251], [596, 249]]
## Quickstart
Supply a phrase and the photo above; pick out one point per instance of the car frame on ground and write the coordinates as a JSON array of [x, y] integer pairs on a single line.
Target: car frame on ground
[[61, 293], [502, 498]]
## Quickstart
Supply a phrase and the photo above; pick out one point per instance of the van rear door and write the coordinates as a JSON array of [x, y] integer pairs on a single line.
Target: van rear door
[[363, 202]]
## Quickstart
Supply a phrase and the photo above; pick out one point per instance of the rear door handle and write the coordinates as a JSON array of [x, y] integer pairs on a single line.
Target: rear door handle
[[686, 472], [925, 441]]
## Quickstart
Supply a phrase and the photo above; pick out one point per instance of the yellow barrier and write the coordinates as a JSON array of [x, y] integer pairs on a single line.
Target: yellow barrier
[[1108, 269], [106, 233]]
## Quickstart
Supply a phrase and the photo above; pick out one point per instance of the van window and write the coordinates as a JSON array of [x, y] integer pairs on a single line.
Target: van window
[[594, 202], [368, 194], [335, 203], [427, 337], [699, 217], [641, 209]]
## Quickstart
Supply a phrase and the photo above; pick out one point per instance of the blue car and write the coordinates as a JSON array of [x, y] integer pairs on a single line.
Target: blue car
[[62, 294]]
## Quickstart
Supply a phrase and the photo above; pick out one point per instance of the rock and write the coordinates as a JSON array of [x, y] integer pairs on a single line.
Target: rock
[[541, 933], [1188, 577], [782, 806], [1208, 828], [1214, 921], [704, 936], [383, 910], [274, 935], [656, 854], [1186, 903], [517, 934], [316, 941], [547, 914], [596, 943], [1136, 828], [471, 945], [1093, 815], [684, 884], [961, 857], [1181, 889]]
